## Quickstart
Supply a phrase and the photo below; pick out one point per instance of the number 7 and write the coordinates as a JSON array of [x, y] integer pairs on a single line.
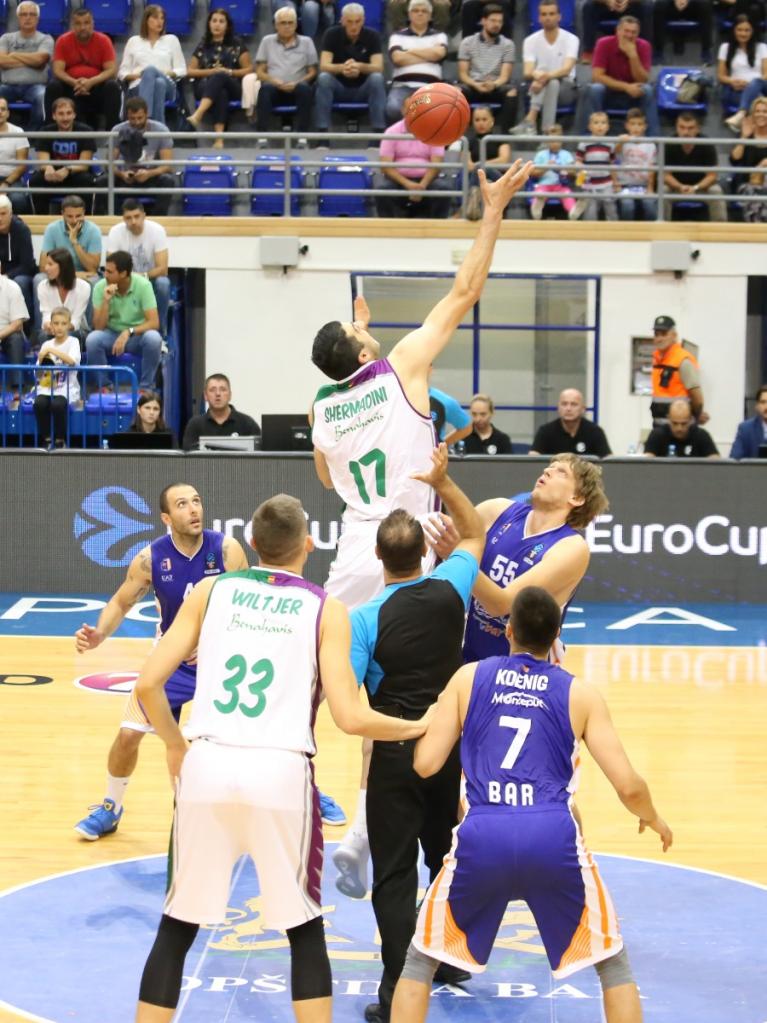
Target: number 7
[[523, 726]]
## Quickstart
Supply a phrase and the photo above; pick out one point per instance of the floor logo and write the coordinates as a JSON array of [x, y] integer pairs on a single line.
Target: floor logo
[[113, 524], [108, 682]]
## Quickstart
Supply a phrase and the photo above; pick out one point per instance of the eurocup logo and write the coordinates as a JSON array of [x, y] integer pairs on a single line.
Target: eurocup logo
[[113, 524]]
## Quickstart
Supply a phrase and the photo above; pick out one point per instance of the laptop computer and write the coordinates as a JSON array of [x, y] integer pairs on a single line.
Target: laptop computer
[[140, 442], [285, 432]]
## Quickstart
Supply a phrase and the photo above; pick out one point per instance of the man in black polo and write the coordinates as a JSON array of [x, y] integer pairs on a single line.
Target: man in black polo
[[570, 432], [680, 437], [687, 151], [222, 419], [351, 69], [406, 644]]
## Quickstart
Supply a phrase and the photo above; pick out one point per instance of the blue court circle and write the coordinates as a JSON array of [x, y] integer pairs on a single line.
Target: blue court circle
[[75, 945]]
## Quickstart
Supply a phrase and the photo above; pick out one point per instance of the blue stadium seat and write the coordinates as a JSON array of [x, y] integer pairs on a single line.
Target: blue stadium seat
[[209, 170], [179, 16], [566, 9], [244, 15], [4, 11], [54, 16], [667, 89], [342, 172], [269, 172], [110, 16], [375, 14]]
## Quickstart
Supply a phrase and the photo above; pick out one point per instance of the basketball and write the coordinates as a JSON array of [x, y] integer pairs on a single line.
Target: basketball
[[438, 114]]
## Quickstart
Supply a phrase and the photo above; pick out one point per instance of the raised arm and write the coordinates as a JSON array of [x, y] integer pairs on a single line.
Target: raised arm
[[137, 583], [466, 518], [234, 556]]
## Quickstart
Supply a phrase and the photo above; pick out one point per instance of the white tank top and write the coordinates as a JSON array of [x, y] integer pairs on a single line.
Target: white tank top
[[257, 662], [373, 440]]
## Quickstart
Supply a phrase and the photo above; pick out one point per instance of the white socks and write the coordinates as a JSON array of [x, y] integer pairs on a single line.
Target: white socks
[[359, 828], [116, 790]]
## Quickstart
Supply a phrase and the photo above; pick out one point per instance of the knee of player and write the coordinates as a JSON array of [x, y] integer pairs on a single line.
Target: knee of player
[[615, 971], [128, 739]]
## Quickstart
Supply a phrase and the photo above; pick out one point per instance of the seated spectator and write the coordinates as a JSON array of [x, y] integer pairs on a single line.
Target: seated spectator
[[57, 390], [484, 438], [680, 437], [148, 418], [689, 183], [497, 156], [286, 65], [60, 286], [636, 155], [84, 69], [351, 69], [665, 11], [751, 154], [741, 70], [409, 167], [63, 162], [595, 11], [570, 432], [596, 176], [752, 433], [124, 320], [13, 316], [135, 156], [25, 58], [485, 66], [310, 12], [446, 411], [147, 243], [620, 75], [152, 63], [14, 151], [554, 181], [471, 15], [217, 68], [221, 419], [417, 53], [17, 260], [549, 57], [80, 237]]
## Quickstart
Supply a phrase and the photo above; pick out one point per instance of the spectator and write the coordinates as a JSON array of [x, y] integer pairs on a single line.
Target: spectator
[[441, 14], [17, 260], [484, 438], [80, 237], [61, 389], [675, 374], [752, 433], [13, 316], [570, 432], [600, 181], [140, 162], [63, 163], [556, 180], [286, 65], [221, 419], [14, 150], [25, 58], [636, 152], [594, 11], [84, 69], [217, 67], [665, 11], [497, 156], [620, 75], [60, 286], [446, 411], [750, 153], [351, 69], [148, 418], [409, 167], [741, 70], [485, 65], [310, 12], [125, 320], [147, 243], [680, 437], [417, 53], [549, 57], [688, 183], [152, 63]]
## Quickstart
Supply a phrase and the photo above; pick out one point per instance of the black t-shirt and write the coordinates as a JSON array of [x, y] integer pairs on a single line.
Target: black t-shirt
[[65, 147], [238, 424], [663, 444], [498, 443], [553, 439], [491, 148], [337, 42], [701, 155]]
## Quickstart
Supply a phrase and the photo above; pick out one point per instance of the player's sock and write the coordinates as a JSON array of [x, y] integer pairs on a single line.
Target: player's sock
[[116, 790], [359, 828]]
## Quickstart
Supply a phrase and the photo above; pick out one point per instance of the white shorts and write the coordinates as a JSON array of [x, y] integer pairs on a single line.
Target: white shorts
[[231, 801]]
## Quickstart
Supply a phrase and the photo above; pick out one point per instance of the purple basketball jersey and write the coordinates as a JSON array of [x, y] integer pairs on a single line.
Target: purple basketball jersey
[[508, 554], [174, 574]]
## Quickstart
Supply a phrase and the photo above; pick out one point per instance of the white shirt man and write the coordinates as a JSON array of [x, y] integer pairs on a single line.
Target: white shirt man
[[147, 243], [13, 316], [14, 145], [417, 53], [549, 57]]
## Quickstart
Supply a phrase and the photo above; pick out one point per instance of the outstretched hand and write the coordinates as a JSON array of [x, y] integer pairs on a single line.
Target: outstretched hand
[[361, 312], [438, 471], [441, 535], [496, 195]]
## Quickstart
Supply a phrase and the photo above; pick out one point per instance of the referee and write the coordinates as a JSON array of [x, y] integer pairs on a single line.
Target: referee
[[406, 645]]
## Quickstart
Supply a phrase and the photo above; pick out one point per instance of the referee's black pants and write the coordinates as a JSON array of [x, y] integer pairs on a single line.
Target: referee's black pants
[[403, 810]]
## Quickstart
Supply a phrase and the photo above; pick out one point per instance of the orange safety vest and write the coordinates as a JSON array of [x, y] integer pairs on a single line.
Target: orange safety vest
[[666, 380]]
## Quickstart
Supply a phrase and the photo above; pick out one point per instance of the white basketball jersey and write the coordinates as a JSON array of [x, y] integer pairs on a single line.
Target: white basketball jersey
[[373, 440], [257, 662]]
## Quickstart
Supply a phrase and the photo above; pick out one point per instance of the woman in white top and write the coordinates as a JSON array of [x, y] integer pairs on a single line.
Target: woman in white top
[[741, 70], [62, 287], [152, 62], [57, 389]]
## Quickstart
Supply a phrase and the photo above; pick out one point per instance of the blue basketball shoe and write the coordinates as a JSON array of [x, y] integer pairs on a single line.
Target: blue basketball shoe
[[330, 811], [102, 820]]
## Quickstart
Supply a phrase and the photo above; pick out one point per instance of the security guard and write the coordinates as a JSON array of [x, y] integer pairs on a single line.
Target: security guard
[[675, 374]]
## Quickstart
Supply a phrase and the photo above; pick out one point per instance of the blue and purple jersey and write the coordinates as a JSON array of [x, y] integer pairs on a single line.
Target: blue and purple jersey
[[174, 574]]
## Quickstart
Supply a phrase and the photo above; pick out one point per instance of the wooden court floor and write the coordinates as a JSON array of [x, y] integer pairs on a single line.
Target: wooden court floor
[[693, 720]]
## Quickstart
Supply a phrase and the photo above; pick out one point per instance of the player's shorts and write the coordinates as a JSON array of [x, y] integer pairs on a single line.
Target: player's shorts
[[233, 801], [179, 689], [356, 574], [500, 856]]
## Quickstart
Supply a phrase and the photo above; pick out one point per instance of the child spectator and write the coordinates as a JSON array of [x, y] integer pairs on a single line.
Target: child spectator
[[553, 181], [603, 181], [636, 155], [58, 389]]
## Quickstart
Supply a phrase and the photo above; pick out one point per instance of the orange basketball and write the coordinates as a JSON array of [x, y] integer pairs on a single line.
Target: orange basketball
[[438, 114]]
